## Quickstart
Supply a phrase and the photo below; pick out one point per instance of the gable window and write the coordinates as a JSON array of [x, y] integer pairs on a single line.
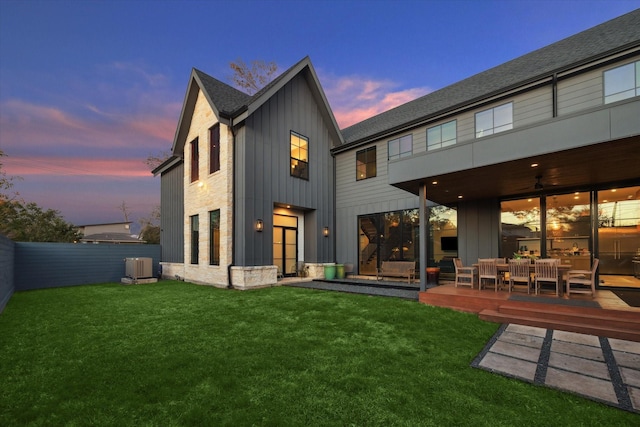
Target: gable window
[[214, 237], [401, 147], [494, 120], [442, 135], [299, 156], [195, 162], [366, 163], [622, 82], [214, 148], [195, 238]]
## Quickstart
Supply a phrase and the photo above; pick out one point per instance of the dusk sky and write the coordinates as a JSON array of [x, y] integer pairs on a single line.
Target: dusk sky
[[90, 89]]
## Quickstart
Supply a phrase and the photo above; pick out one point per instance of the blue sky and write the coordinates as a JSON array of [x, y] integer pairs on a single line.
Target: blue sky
[[89, 89]]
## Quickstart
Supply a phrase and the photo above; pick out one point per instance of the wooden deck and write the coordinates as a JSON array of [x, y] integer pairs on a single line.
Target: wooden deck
[[613, 319]]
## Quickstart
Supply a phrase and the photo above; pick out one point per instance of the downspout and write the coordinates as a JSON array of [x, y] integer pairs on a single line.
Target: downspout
[[554, 95], [233, 201], [334, 234]]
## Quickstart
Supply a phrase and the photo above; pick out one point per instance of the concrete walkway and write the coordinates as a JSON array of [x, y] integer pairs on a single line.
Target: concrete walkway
[[603, 369]]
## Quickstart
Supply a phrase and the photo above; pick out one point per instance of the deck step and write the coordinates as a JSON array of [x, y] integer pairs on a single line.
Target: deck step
[[576, 323], [592, 316]]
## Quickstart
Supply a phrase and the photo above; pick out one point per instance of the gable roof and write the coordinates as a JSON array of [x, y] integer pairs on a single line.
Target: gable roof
[[618, 34], [232, 106]]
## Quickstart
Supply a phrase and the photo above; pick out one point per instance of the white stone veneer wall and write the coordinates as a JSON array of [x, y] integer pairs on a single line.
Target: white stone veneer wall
[[210, 192]]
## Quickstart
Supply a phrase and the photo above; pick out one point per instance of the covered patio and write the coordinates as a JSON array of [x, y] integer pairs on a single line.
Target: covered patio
[[604, 315]]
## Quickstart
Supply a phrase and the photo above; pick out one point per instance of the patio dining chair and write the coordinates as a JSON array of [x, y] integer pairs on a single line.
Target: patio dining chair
[[546, 271], [488, 271], [582, 281], [464, 275], [519, 273]]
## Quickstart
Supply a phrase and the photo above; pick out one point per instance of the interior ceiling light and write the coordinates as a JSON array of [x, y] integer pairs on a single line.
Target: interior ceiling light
[[534, 165]]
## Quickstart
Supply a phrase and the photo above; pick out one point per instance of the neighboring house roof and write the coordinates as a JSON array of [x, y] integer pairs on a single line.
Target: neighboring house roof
[[615, 35], [232, 106], [110, 238], [100, 224]]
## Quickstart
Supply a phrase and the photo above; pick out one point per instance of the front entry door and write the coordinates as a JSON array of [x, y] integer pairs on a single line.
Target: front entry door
[[285, 249]]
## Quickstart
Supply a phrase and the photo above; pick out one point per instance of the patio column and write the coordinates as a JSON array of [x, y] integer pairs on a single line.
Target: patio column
[[424, 223]]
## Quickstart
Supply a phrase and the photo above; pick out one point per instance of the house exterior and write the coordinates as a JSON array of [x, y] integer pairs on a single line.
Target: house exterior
[[249, 190], [521, 158], [537, 157]]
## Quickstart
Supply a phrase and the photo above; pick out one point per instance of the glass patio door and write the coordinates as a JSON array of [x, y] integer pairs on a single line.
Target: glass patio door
[[618, 230]]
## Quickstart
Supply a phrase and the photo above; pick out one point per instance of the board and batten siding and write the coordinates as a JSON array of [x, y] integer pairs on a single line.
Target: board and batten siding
[[263, 177], [172, 208]]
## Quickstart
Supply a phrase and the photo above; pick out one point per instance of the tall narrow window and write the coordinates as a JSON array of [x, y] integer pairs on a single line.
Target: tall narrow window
[[214, 237], [195, 239], [214, 148], [441, 136], [494, 120], [622, 82], [299, 156], [195, 162], [366, 163], [401, 147]]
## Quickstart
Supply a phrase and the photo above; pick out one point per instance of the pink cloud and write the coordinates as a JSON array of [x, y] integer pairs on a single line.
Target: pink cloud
[[23, 123], [354, 98], [66, 166]]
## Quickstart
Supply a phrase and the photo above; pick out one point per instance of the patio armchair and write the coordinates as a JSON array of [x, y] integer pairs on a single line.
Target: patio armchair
[[582, 281], [464, 275], [546, 271], [488, 270]]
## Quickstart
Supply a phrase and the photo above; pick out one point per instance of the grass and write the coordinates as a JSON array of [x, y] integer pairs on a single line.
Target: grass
[[173, 354]]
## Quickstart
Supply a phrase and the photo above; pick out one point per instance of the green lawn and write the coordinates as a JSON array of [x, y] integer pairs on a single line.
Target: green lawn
[[174, 353]]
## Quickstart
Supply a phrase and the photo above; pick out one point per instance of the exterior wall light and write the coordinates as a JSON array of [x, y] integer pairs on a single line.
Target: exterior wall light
[[259, 225], [325, 232]]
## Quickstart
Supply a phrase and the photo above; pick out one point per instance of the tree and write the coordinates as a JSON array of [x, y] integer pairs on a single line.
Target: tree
[[6, 183], [154, 160], [150, 227], [252, 79], [30, 223]]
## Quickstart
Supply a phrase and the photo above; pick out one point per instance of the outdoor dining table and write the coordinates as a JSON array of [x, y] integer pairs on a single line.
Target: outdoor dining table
[[562, 270]]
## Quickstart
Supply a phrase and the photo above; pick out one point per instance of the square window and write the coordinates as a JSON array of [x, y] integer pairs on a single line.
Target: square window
[[622, 82], [494, 120], [441, 136], [400, 147]]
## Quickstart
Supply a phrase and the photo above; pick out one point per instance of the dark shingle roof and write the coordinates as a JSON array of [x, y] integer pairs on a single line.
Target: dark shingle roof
[[617, 33], [228, 100]]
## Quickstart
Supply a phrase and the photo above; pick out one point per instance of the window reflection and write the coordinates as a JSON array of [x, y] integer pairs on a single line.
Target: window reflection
[[520, 223]]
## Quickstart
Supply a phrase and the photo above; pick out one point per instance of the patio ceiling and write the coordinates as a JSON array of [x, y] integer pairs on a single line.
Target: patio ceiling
[[580, 168]]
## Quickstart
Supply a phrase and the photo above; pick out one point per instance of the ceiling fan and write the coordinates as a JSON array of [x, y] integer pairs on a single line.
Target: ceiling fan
[[538, 186]]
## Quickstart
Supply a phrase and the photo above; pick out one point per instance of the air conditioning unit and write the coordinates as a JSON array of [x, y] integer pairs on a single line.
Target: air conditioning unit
[[138, 268]]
